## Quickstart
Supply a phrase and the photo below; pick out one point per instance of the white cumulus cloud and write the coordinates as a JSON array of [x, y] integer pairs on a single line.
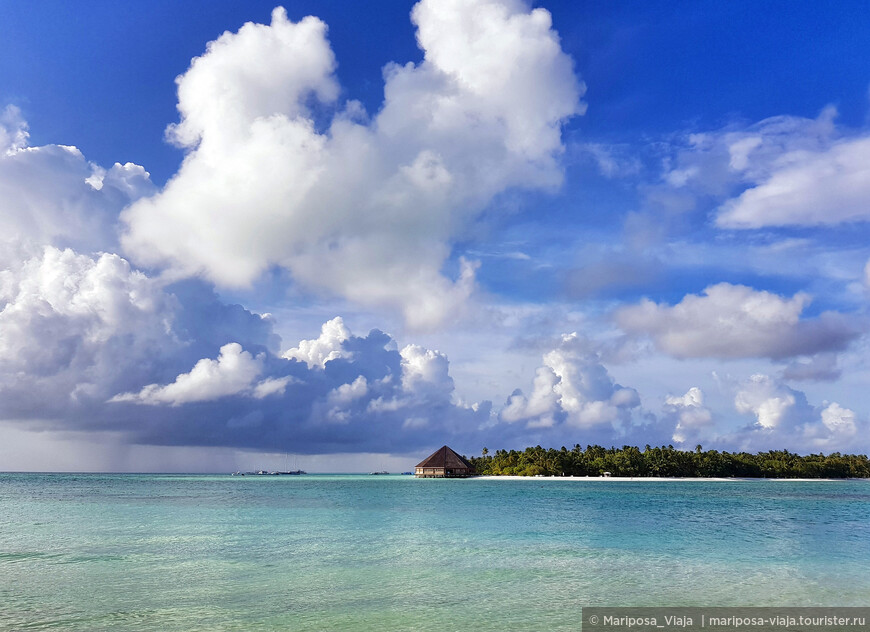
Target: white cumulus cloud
[[839, 420], [766, 399], [69, 322], [574, 388], [693, 418], [363, 208], [52, 195], [736, 321], [785, 419], [328, 346], [425, 371], [77, 329], [233, 372]]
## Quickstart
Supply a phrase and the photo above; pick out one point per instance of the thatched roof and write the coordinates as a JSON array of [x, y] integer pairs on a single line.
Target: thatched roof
[[446, 458]]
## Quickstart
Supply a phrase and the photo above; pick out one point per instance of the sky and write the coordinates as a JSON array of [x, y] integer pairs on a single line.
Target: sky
[[338, 235]]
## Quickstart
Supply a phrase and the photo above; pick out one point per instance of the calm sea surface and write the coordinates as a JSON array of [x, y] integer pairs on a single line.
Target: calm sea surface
[[298, 553]]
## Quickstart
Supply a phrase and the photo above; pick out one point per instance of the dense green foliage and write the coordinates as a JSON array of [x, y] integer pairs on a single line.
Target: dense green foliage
[[668, 461]]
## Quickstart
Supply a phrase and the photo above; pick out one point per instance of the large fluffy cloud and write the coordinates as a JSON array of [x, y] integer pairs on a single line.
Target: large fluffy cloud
[[328, 346], [52, 195], [770, 402], [366, 396], [233, 372], [78, 326], [839, 420], [363, 208], [573, 388], [735, 321], [72, 326], [784, 419], [76, 329], [87, 342]]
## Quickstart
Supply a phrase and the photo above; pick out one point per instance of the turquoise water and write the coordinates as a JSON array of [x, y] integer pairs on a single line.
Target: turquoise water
[[168, 552]]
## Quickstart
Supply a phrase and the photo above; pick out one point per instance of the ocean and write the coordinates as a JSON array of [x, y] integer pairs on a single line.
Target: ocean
[[339, 552]]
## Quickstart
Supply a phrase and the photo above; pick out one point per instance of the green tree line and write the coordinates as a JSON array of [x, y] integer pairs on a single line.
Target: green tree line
[[595, 460]]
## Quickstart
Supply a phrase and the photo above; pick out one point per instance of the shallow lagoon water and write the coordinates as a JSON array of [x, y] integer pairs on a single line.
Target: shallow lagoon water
[[319, 552]]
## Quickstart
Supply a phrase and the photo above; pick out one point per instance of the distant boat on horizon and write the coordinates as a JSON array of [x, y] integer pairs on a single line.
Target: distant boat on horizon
[[287, 472], [378, 473]]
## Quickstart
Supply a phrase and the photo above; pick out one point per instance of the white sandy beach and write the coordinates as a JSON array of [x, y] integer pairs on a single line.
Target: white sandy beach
[[649, 478]]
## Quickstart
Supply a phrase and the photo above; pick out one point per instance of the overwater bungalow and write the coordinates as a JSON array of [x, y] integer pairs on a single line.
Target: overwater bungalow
[[444, 463]]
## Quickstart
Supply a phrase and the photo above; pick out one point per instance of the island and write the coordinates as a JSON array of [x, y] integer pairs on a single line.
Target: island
[[666, 462]]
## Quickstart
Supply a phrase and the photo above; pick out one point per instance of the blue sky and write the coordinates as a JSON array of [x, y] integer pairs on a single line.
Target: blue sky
[[361, 236]]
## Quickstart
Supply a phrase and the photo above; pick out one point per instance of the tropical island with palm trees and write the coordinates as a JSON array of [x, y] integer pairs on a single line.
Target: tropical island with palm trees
[[667, 462]]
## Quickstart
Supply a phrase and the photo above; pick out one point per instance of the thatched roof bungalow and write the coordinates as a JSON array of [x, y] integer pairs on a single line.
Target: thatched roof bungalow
[[444, 463]]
